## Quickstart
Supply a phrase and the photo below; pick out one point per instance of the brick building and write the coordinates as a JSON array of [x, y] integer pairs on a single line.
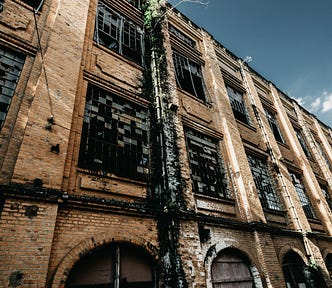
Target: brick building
[[136, 151]]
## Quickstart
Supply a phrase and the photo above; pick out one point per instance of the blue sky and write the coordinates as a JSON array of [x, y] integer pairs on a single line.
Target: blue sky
[[290, 42]]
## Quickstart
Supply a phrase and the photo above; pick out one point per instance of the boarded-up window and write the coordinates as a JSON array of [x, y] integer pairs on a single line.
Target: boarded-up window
[[11, 64], [114, 135], [231, 270], [118, 265], [208, 173]]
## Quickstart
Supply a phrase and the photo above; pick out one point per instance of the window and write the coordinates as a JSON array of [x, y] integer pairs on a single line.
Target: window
[[114, 135], [231, 269], [327, 196], [260, 173], [118, 265], [322, 152], [182, 36], [208, 173], [271, 117], [305, 202], [11, 64], [118, 33], [302, 143], [237, 102], [189, 76], [33, 3]]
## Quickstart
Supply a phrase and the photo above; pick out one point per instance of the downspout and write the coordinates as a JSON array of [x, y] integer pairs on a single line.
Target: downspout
[[290, 206]]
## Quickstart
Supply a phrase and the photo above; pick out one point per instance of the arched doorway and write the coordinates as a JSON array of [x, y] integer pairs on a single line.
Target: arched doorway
[[231, 269], [117, 265], [293, 269]]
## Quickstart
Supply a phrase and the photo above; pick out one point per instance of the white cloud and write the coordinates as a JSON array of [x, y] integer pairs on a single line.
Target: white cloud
[[314, 106], [327, 102], [300, 101]]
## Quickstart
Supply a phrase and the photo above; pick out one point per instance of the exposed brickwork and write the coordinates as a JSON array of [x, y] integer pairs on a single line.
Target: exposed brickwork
[[43, 235]]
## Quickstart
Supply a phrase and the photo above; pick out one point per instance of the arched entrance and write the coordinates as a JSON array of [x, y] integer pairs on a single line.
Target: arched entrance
[[231, 269], [293, 269], [116, 265]]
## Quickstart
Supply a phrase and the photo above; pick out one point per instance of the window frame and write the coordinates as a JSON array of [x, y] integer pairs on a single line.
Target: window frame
[[303, 143], [115, 136], [182, 64], [110, 32], [268, 197], [274, 125], [208, 172], [303, 196], [9, 80], [238, 104]]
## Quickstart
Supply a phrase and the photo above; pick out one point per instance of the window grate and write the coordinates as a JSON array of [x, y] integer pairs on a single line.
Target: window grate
[[208, 173], [304, 199], [239, 108], [266, 193], [324, 155], [271, 117], [11, 64], [114, 135], [118, 33], [189, 76]]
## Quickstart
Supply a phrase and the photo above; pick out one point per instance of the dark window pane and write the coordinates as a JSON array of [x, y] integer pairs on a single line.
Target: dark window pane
[[182, 36], [11, 64], [303, 143], [304, 199], [266, 193], [271, 117], [238, 106], [208, 173], [117, 33], [114, 135], [189, 76]]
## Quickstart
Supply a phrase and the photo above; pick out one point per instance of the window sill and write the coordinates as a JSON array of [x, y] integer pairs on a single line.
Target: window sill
[[214, 198], [283, 144], [246, 125], [205, 103], [117, 55], [108, 175]]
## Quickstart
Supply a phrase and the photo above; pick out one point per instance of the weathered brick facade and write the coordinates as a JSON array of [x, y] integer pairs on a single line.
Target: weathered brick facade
[[123, 131]]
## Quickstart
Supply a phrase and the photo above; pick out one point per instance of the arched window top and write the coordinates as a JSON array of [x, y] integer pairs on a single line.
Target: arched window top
[[118, 265]]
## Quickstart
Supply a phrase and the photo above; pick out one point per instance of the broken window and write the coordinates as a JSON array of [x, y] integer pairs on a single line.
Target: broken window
[[11, 64], [189, 75], [114, 135], [182, 36], [117, 265], [208, 173], [322, 152], [266, 193], [271, 117], [117, 33], [304, 199], [302, 143], [239, 108], [327, 196]]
